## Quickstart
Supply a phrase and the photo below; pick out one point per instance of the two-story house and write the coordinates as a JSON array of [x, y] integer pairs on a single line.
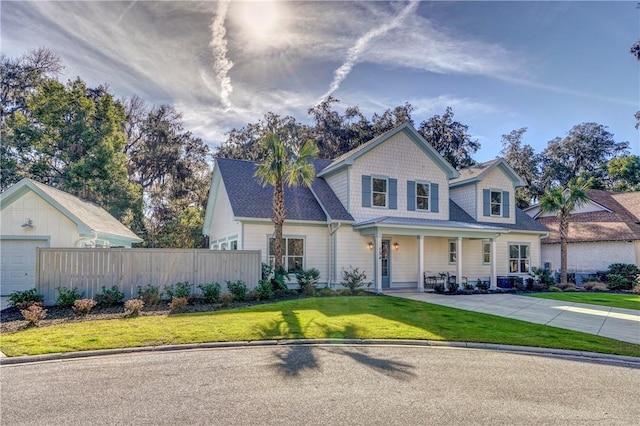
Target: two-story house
[[393, 207]]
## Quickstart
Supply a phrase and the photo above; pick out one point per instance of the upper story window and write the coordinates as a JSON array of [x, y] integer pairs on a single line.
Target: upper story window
[[422, 196], [496, 203], [379, 193]]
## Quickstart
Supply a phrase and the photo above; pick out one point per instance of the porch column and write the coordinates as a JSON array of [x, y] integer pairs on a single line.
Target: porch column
[[378, 263], [459, 260], [420, 263], [494, 280]]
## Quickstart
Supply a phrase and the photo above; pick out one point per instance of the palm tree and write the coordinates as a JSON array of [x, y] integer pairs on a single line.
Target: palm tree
[[284, 165], [561, 202]]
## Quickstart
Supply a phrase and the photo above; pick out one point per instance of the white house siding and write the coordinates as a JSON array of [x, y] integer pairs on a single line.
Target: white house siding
[[352, 251], [316, 245], [47, 221], [339, 183], [404, 261], [398, 158], [223, 225], [466, 197], [496, 179], [591, 257]]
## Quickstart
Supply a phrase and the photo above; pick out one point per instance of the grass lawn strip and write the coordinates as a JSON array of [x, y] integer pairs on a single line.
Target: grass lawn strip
[[367, 317], [624, 301]]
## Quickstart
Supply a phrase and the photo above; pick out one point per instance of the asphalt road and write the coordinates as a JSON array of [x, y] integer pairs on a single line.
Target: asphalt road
[[320, 385]]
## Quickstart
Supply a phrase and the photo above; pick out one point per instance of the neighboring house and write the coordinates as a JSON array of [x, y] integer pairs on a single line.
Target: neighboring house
[[605, 230], [34, 215], [392, 207]]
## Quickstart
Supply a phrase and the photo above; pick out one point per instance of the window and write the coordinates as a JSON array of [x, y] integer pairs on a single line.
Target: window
[[519, 258], [422, 196], [223, 246], [233, 245], [486, 252], [214, 246], [293, 253], [379, 193], [496, 203], [453, 251]]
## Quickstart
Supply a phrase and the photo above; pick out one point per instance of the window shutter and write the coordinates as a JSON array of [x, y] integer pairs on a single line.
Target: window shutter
[[393, 193], [366, 191], [411, 195], [505, 203], [435, 198], [486, 202]]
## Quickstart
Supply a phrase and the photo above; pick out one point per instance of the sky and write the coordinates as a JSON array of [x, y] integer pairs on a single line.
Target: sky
[[501, 66]]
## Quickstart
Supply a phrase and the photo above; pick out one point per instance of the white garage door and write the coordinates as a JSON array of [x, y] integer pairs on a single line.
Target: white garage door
[[18, 264]]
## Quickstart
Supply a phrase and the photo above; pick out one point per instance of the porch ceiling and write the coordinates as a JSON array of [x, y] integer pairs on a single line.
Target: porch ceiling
[[426, 227]]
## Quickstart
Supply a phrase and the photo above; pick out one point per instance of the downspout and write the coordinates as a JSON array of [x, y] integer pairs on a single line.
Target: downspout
[[332, 231]]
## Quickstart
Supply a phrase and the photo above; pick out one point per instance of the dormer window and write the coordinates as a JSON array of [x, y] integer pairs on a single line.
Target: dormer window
[[379, 193], [496, 203]]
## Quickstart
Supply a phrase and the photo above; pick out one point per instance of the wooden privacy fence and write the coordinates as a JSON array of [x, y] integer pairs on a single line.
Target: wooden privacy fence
[[91, 269]]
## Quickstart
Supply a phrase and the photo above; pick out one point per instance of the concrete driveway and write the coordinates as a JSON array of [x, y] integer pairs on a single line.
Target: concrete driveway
[[616, 323]]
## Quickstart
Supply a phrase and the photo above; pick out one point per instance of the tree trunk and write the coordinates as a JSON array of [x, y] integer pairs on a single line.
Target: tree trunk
[[564, 231], [278, 221]]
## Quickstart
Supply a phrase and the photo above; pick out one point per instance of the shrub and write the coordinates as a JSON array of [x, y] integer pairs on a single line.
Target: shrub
[[307, 280], [267, 270], [264, 289], [226, 299], [483, 286], [82, 307], [543, 277], [569, 288], [554, 289], [150, 295], [253, 295], [594, 286], [67, 297], [617, 282], [132, 307], [180, 289], [34, 313], [438, 288], [25, 298], [529, 283], [452, 286], [178, 304], [353, 279], [636, 285], [627, 270], [278, 279], [325, 292], [210, 292], [238, 290], [109, 297]]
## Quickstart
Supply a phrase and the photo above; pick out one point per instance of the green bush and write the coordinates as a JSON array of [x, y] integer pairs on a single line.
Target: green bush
[[109, 297], [636, 285], [307, 280], [278, 279], [617, 282], [620, 276], [554, 289], [264, 289], [438, 288], [22, 299], [67, 297], [542, 276], [210, 292], [238, 290], [150, 295], [325, 292], [180, 289], [353, 279]]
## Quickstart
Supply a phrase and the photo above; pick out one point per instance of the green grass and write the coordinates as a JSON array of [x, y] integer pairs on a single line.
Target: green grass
[[626, 301], [332, 317]]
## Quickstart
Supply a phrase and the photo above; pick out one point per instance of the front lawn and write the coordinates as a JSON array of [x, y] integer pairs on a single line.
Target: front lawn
[[365, 317], [625, 301]]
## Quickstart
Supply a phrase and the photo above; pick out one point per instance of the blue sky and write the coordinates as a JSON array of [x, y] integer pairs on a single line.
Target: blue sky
[[500, 65]]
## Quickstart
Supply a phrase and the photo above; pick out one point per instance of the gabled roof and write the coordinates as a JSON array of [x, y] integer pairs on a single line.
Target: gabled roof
[[249, 199], [85, 214], [619, 220], [478, 171], [348, 158]]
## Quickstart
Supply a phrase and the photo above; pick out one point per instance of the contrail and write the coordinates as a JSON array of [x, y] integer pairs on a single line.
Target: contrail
[[124, 12], [221, 64], [361, 44]]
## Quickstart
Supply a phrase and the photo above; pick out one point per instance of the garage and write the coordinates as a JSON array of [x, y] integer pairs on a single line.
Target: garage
[[18, 264]]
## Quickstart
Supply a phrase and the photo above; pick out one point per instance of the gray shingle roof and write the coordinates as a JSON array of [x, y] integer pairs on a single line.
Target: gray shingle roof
[[250, 199], [523, 221]]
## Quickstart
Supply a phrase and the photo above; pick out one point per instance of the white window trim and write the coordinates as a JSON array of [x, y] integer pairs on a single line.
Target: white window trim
[[422, 182], [214, 246], [491, 191], [519, 258], [449, 252], [386, 196], [486, 243], [285, 254]]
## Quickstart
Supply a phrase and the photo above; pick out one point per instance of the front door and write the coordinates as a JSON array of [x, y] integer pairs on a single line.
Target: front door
[[385, 260]]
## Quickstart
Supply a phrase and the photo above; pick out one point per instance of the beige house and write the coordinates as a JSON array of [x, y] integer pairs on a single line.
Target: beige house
[[392, 207], [36, 215]]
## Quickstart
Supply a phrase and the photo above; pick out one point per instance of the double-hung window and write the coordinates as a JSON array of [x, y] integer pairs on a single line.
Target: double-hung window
[[292, 253], [453, 251], [486, 252], [519, 258], [422, 196], [379, 193], [496, 203]]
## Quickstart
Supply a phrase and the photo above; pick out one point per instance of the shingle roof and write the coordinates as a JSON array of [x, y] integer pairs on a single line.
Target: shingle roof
[[523, 221], [250, 199], [87, 213], [622, 223], [477, 172]]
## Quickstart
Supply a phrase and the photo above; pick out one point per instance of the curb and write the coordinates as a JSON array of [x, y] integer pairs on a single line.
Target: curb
[[623, 360]]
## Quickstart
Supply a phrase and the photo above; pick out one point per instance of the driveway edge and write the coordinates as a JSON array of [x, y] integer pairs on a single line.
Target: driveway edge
[[528, 350]]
